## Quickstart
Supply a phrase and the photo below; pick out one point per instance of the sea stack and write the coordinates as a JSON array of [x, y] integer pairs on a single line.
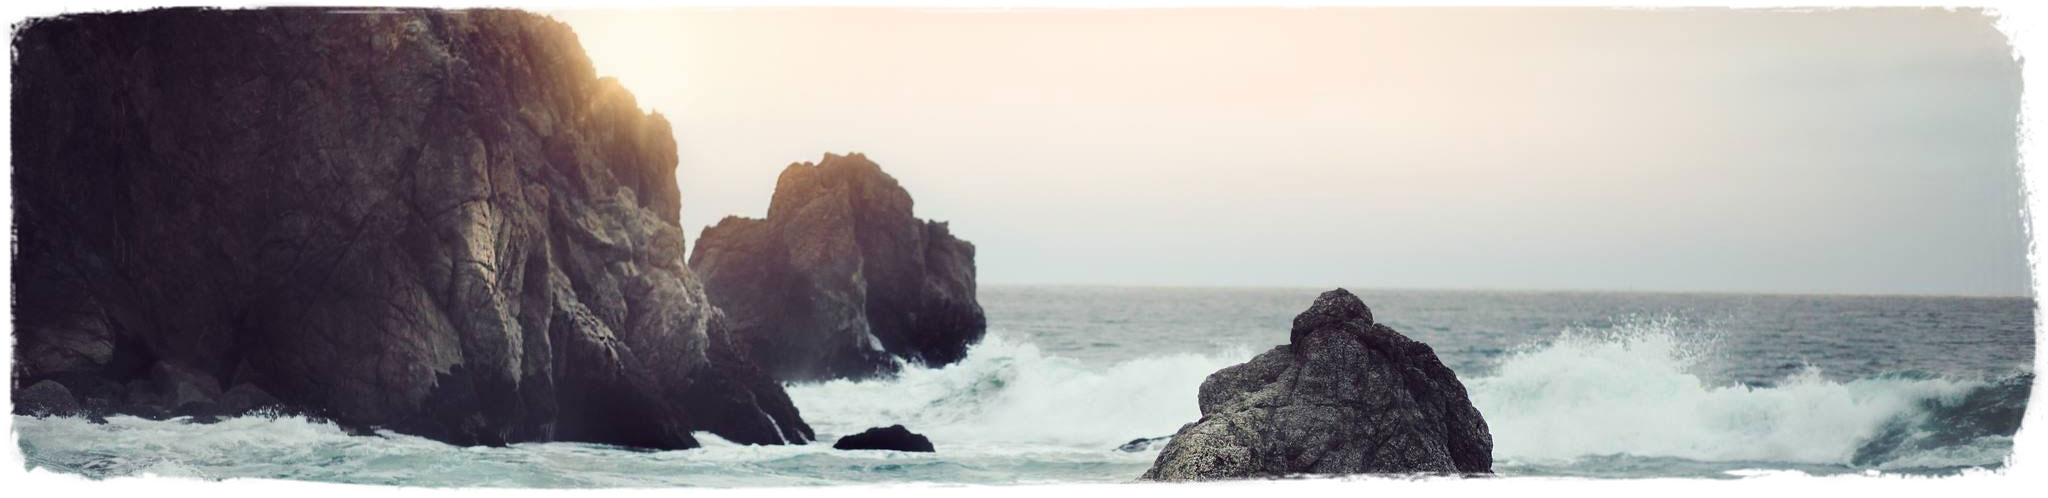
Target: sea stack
[[841, 280], [1345, 396], [435, 222]]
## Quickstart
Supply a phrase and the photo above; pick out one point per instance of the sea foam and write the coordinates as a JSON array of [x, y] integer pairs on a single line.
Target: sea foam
[[1631, 392], [1009, 392], [1625, 402]]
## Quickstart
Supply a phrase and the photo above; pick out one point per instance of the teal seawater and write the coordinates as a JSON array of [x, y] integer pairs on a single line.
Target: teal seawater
[[1609, 385]]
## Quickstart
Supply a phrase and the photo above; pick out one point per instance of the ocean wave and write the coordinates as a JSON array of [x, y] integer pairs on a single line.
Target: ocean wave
[[1631, 391], [1618, 403], [1007, 391]]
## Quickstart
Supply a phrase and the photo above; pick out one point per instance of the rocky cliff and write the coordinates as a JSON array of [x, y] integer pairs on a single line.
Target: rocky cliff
[[1345, 396], [437, 222], [841, 279]]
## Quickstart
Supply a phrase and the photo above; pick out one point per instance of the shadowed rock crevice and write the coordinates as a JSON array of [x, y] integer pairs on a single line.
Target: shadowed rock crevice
[[438, 222], [841, 280], [1344, 396]]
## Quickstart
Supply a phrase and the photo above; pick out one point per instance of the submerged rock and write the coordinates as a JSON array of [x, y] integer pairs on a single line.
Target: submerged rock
[[1143, 444], [840, 280], [893, 437], [1345, 396], [437, 222]]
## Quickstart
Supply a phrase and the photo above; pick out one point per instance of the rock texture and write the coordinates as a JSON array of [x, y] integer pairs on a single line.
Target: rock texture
[[1345, 396], [46, 398], [841, 279], [437, 222], [893, 437]]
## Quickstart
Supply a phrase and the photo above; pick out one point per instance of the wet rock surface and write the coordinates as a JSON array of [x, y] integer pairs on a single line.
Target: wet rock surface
[[46, 398], [841, 280], [436, 222], [1345, 396], [893, 437]]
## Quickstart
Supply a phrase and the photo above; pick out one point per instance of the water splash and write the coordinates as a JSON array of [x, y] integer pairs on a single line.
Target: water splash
[[1631, 391], [1613, 403], [1007, 392]]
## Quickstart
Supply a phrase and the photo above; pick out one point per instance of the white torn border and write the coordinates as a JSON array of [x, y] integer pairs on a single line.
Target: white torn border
[[2019, 19]]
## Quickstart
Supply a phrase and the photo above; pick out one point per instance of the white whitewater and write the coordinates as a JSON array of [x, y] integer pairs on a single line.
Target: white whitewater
[[1010, 413]]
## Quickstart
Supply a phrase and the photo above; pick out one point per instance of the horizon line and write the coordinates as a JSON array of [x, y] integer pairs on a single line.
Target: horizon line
[[1521, 290]]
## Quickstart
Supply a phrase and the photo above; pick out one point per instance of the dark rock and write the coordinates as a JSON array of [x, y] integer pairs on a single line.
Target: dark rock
[[893, 437], [437, 222], [1143, 444], [1345, 396], [244, 399], [45, 398], [1332, 308], [841, 279], [71, 339], [139, 393], [746, 399], [186, 391]]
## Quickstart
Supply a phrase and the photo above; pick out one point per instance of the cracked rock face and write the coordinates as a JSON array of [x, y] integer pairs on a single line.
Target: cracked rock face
[[1345, 396], [841, 280], [437, 222]]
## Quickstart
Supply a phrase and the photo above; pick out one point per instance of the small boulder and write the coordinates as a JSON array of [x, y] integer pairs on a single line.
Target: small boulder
[[181, 390], [44, 399], [245, 398], [893, 437]]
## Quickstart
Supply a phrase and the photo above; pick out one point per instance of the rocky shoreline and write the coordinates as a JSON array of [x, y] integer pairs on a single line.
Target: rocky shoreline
[[444, 224], [437, 222]]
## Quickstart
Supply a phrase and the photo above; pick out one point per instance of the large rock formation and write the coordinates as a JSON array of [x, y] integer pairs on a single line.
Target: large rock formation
[[841, 279], [1345, 396], [437, 222]]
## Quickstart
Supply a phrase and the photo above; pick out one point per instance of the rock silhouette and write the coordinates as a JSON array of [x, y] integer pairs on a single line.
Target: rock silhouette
[[893, 437], [841, 280], [437, 222], [1345, 396]]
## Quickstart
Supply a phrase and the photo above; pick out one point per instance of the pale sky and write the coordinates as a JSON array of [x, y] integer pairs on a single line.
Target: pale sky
[[1846, 151]]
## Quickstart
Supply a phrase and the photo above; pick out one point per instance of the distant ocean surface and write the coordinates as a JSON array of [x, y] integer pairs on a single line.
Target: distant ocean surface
[[1612, 385]]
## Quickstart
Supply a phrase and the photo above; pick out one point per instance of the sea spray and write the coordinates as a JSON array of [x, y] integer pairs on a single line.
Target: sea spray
[[1648, 398], [1008, 392], [1631, 391]]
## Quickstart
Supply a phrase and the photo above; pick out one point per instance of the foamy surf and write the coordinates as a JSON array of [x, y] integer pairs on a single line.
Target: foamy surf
[[1631, 392], [1622, 403], [1008, 393]]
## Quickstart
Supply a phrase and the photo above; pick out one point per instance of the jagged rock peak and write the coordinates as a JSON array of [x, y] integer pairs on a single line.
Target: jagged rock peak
[[841, 280], [1331, 307]]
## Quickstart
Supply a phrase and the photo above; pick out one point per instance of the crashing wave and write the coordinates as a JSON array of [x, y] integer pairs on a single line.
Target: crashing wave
[[1619, 404], [1008, 391], [1631, 392]]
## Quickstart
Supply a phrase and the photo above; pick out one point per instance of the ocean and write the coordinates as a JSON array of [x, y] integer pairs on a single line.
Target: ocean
[[1588, 384]]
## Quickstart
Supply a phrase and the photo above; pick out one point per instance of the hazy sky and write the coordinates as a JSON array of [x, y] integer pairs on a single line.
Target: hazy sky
[[1859, 151]]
